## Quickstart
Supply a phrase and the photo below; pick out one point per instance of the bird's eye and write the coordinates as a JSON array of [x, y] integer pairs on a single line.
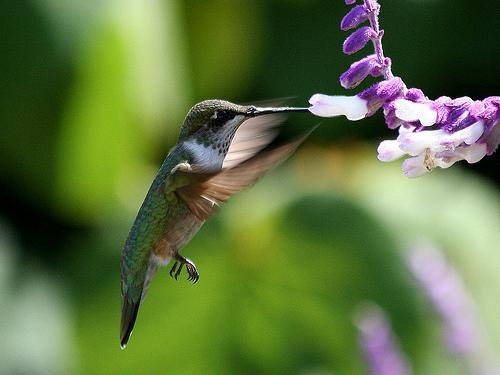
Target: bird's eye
[[223, 116]]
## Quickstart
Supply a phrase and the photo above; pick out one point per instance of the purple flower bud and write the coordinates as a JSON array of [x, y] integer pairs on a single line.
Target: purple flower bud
[[382, 92], [349, 2], [441, 110], [491, 109], [454, 113], [459, 104], [476, 108], [491, 117], [415, 95], [378, 344], [359, 70], [358, 39], [354, 18]]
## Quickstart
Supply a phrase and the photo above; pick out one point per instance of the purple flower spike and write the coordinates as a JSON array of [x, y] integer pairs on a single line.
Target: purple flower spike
[[359, 70], [354, 18], [434, 133], [441, 132], [358, 39], [378, 344], [445, 289]]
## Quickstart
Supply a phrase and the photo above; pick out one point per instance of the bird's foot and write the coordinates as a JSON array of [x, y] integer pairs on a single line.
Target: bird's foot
[[175, 271]]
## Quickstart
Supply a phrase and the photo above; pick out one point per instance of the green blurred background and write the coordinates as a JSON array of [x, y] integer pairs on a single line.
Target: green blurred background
[[92, 96]]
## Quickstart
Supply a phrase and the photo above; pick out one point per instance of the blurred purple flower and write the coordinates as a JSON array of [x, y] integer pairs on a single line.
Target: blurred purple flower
[[378, 344], [444, 288], [433, 133]]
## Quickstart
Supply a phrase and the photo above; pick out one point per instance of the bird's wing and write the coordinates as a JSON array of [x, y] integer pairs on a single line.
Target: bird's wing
[[204, 196], [251, 137]]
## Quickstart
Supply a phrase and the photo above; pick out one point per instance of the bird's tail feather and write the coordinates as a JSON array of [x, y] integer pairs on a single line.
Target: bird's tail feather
[[131, 305], [129, 315]]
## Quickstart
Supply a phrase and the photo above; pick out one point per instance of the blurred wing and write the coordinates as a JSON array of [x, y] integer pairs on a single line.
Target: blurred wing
[[250, 138], [205, 196]]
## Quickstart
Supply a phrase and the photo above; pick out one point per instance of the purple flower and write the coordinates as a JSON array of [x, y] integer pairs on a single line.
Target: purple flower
[[462, 331], [355, 17], [382, 93], [433, 133], [436, 134], [359, 70], [358, 39], [378, 344], [444, 288]]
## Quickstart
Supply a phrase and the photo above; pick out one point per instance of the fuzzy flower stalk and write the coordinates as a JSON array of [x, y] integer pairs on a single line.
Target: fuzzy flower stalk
[[431, 133], [462, 331], [378, 344]]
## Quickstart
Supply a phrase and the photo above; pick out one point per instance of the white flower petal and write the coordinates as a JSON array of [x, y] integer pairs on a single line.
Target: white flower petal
[[438, 140], [446, 162], [414, 167], [389, 150], [406, 128], [409, 111], [472, 153], [493, 138], [352, 107], [469, 135], [415, 143]]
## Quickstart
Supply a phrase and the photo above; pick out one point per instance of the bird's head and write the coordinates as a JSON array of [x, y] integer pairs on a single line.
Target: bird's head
[[220, 118]]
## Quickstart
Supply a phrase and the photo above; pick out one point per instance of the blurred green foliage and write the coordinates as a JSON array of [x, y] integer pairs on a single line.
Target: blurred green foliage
[[92, 96]]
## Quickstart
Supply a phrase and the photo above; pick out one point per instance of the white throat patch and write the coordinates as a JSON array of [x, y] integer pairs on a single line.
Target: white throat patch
[[207, 157]]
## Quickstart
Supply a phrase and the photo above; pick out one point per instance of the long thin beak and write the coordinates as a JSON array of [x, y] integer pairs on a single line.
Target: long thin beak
[[258, 111]]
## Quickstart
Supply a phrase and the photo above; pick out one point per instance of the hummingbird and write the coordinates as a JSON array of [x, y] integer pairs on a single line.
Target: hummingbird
[[221, 150]]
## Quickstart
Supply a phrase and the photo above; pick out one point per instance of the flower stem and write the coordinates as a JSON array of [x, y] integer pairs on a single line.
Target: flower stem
[[373, 11]]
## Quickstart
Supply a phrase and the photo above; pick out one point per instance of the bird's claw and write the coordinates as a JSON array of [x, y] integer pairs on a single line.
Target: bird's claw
[[175, 271], [172, 270], [192, 271]]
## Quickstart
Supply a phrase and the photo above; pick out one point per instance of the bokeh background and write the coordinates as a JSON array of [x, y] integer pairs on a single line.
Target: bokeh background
[[92, 95]]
